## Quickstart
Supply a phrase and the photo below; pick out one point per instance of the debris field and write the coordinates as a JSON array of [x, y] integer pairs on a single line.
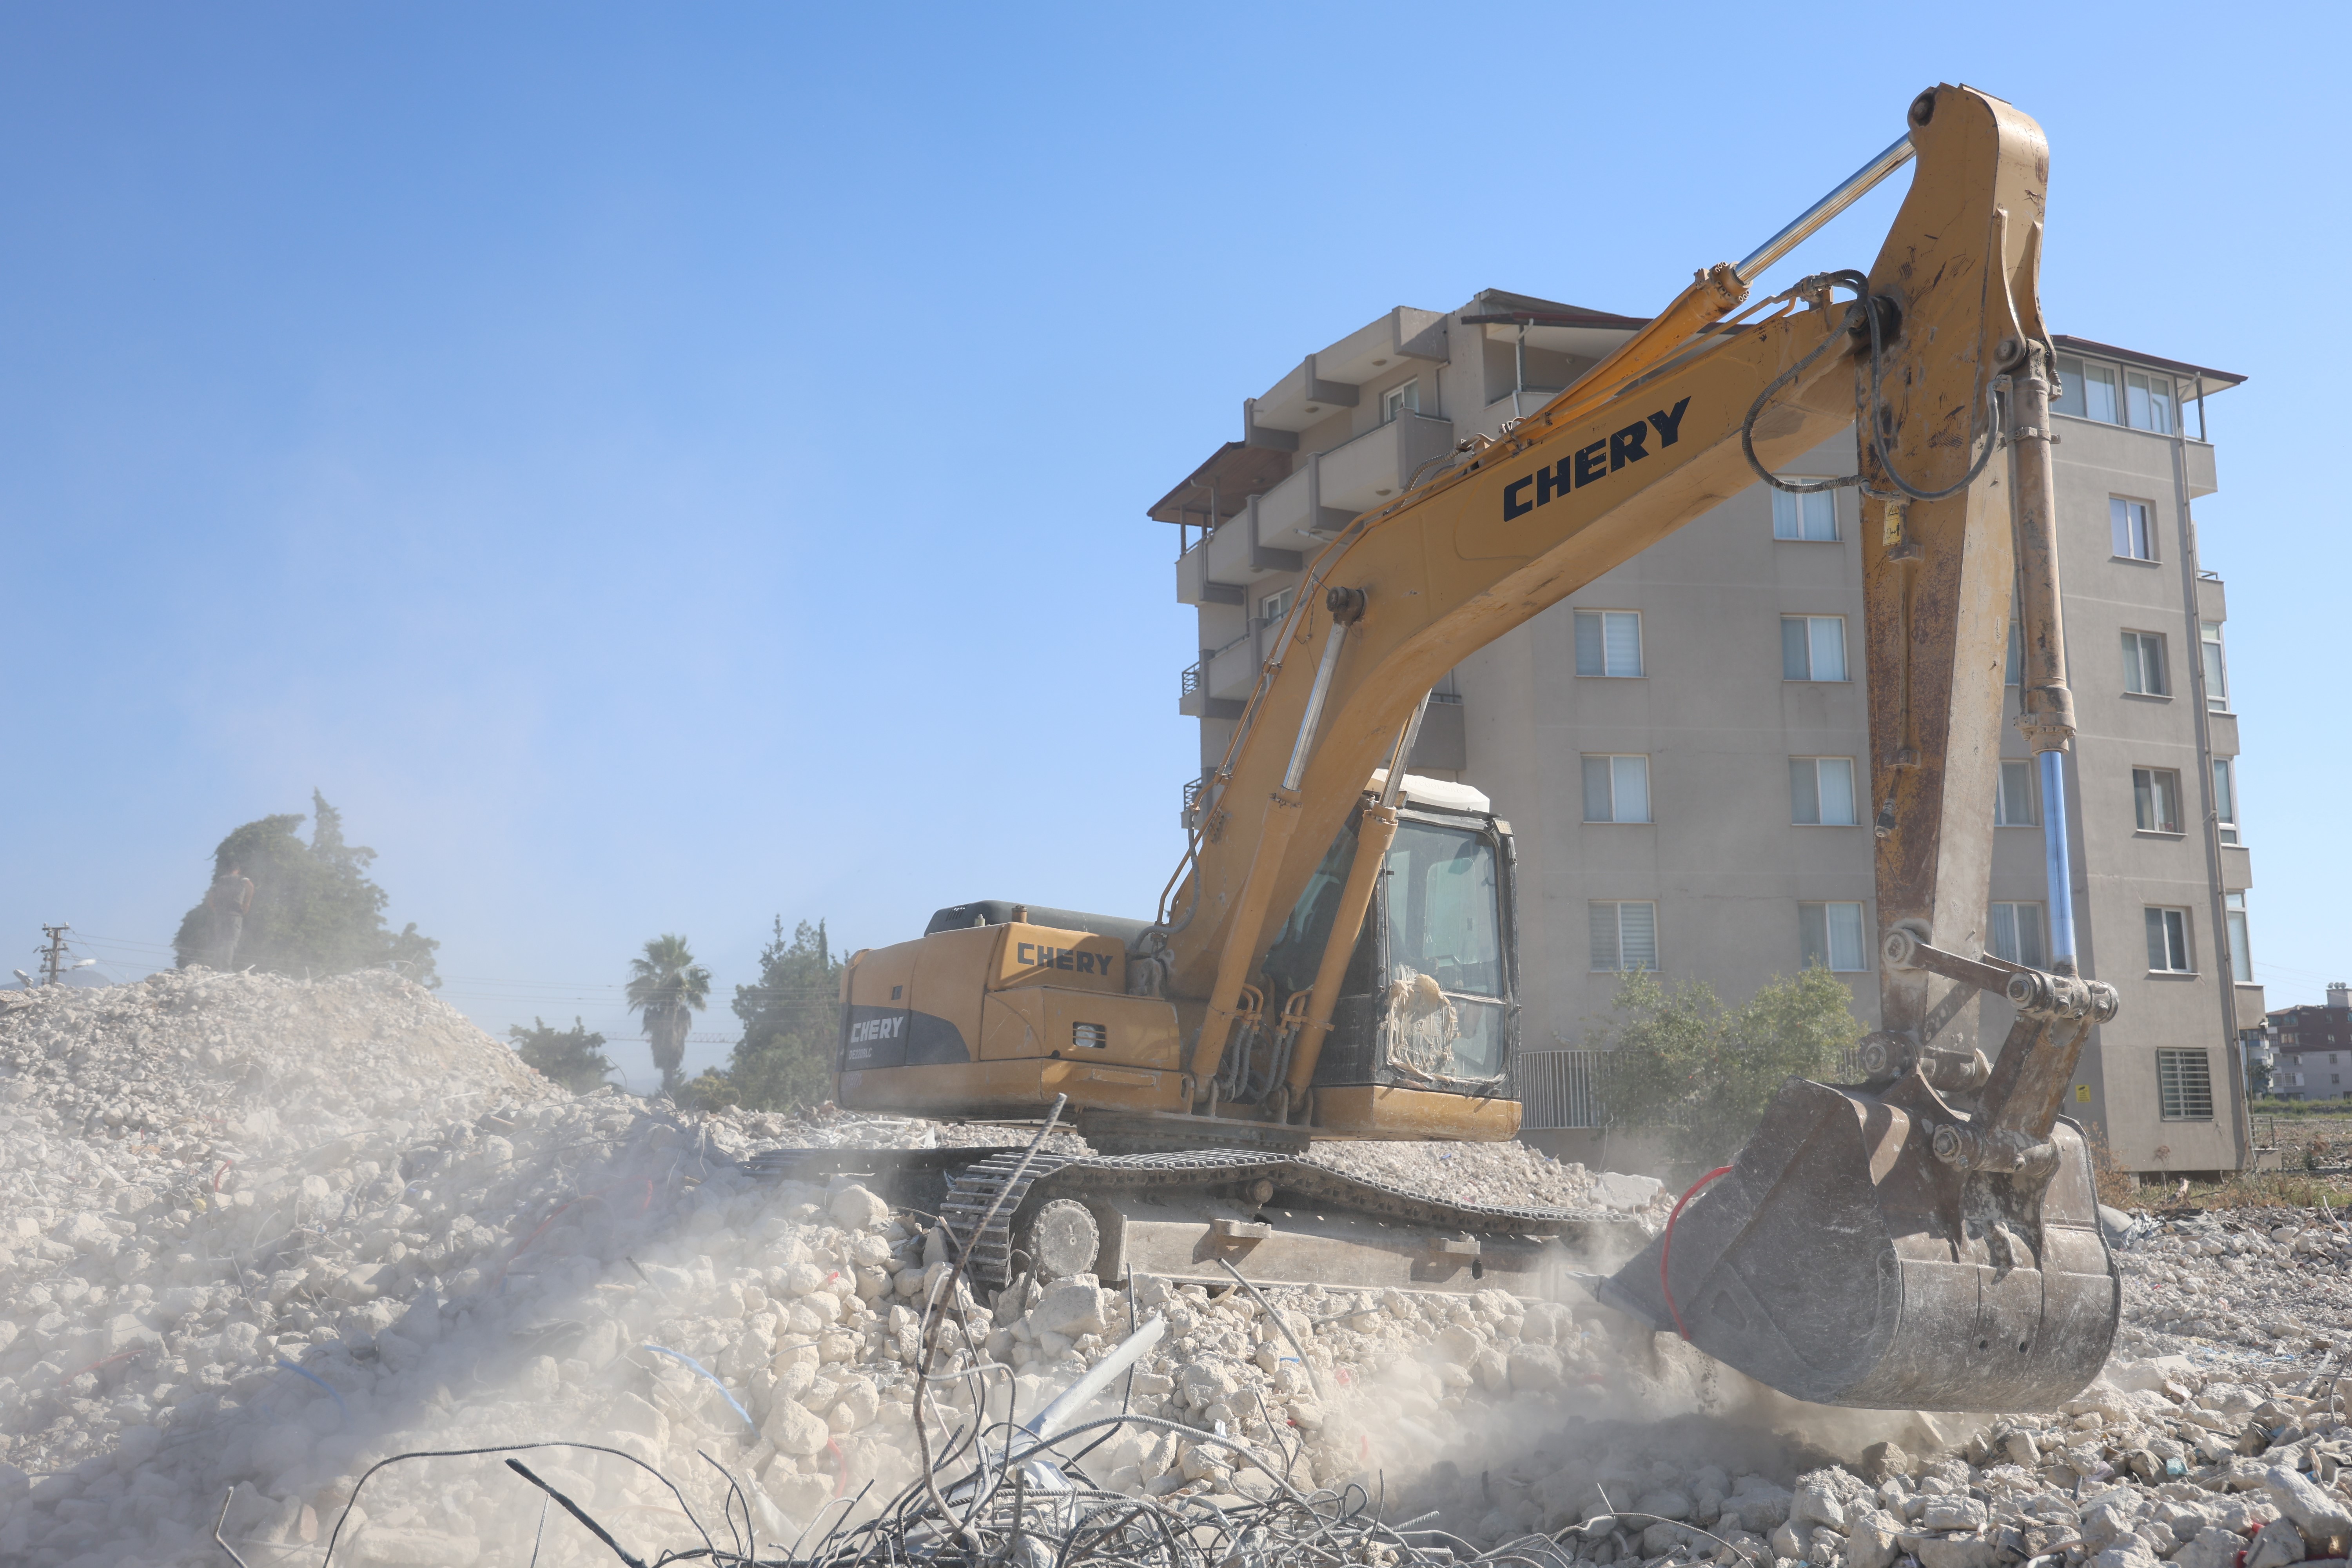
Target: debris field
[[263, 1240]]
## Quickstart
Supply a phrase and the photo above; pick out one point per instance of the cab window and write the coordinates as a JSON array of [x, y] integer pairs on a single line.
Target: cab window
[[1444, 917]]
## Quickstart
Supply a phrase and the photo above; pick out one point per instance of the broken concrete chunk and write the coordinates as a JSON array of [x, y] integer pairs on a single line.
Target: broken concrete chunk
[[1882, 1462], [1870, 1544], [856, 1208], [1619, 1191], [2279, 1545], [795, 1429], [1815, 1503], [1757, 1506], [1072, 1307], [2318, 1514], [1945, 1513]]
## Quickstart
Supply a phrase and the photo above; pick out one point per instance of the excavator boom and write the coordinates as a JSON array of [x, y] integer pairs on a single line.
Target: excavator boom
[[1941, 1210]]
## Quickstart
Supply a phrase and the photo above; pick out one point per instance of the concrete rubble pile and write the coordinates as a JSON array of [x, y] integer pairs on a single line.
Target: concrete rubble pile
[[260, 1236]]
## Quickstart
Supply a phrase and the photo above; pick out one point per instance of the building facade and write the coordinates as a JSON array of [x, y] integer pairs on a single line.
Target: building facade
[[2311, 1048], [1683, 747]]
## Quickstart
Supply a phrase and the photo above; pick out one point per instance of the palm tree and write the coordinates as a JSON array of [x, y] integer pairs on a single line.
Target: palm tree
[[667, 987]]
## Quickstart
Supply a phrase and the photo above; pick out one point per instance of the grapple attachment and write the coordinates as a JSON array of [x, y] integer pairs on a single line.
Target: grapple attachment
[[1854, 1256]]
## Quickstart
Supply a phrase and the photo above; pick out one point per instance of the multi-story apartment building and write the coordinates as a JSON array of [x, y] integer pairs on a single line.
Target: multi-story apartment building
[[2312, 1049], [1683, 748]]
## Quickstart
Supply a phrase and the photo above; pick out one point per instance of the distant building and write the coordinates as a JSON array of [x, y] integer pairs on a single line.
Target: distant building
[[2314, 1049]]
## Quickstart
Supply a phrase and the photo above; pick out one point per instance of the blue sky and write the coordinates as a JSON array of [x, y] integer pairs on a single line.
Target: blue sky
[[656, 468]]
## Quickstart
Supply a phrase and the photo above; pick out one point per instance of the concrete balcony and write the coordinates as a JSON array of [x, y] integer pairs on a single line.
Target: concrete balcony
[[1227, 565], [2212, 603], [1333, 379], [1281, 529], [2237, 868], [1369, 471], [1230, 673], [2203, 480], [1219, 686], [2248, 1008], [1310, 508]]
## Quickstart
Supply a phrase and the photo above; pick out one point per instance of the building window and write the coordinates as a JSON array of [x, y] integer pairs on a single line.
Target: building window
[[2014, 803], [2167, 942], [2016, 935], [2086, 391], [1274, 606], [1608, 642], [2144, 665], [2241, 951], [2225, 798], [2217, 676], [1811, 516], [1812, 647], [1616, 789], [1396, 400], [1821, 791], [2184, 1084], [1624, 936], [2155, 800], [2127, 522], [2149, 400], [2012, 672], [1832, 934]]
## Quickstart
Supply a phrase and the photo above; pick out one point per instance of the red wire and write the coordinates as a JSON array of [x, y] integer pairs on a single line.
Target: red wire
[[95, 1366], [1667, 1250]]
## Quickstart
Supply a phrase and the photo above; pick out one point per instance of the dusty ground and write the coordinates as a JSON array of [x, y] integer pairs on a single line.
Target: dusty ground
[[256, 1236]]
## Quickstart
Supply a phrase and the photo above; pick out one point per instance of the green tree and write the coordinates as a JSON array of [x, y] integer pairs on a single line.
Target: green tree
[[315, 910], [573, 1058], [1681, 1059], [668, 988], [712, 1088], [792, 1022]]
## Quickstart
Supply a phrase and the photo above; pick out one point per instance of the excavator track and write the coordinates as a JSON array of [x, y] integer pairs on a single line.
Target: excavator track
[[976, 1187]]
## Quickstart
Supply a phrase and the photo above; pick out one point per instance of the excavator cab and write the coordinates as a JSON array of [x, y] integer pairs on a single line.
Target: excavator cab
[[1428, 998]]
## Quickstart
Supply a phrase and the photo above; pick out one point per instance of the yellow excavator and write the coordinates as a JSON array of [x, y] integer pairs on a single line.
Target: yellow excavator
[[1335, 957]]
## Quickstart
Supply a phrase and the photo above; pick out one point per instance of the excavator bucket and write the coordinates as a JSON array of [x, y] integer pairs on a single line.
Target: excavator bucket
[[1844, 1261]]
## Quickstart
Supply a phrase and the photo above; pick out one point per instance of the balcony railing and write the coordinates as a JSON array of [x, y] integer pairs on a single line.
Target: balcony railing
[[1196, 790], [1190, 681]]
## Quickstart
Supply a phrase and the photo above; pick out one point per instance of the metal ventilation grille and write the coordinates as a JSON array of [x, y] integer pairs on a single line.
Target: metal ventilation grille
[[1090, 1036], [1560, 1088]]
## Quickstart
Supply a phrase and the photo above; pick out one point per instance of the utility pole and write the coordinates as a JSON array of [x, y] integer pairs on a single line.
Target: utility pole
[[53, 957]]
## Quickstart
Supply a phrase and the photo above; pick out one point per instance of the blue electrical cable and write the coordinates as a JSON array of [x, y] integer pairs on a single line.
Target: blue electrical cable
[[322, 1383], [697, 1366]]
